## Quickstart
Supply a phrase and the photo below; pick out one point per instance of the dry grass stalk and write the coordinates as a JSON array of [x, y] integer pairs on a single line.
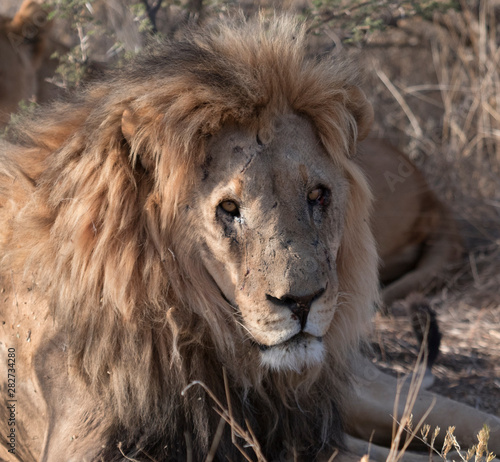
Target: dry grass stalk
[[479, 451], [405, 426], [467, 61], [463, 161], [399, 98], [226, 416]]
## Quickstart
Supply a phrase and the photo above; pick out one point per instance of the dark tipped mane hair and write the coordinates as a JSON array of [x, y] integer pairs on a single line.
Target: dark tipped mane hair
[[100, 227]]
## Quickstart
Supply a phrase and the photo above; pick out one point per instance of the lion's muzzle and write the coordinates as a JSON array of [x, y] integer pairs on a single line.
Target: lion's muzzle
[[299, 305]]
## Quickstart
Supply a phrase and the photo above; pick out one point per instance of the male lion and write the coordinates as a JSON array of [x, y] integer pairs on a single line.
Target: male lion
[[195, 217]]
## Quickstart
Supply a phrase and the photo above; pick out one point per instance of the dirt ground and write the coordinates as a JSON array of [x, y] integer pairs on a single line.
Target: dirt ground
[[468, 368]]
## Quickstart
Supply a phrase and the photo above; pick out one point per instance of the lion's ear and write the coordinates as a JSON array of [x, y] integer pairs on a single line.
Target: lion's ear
[[130, 123], [362, 110], [30, 28]]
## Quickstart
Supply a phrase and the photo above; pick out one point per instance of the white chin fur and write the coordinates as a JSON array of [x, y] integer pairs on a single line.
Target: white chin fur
[[295, 355]]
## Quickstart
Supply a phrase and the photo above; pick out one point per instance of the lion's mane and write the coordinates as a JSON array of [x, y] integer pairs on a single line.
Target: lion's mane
[[99, 231]]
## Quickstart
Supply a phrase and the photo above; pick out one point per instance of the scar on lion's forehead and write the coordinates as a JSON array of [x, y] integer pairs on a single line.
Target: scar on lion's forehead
[[251, 157]]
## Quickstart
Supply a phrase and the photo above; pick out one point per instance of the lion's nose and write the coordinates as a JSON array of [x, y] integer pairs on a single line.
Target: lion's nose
[[299, 305]]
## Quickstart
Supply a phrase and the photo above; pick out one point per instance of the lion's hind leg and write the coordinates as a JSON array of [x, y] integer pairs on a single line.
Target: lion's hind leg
[[371, 408], [378, 453]]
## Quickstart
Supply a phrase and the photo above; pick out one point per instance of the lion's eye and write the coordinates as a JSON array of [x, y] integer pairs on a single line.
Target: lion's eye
[[318, 196], [314, 195], [230, 207]]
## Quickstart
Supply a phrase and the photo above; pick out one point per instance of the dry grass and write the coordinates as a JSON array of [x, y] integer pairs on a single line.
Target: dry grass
[[466, 57], [405, 431], [446, 114]]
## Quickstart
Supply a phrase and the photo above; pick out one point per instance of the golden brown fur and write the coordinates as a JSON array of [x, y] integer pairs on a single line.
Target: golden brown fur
[[99, 231], [112, 294]]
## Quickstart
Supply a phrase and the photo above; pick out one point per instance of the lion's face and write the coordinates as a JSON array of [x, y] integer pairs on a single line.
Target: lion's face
[[272, 218]]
